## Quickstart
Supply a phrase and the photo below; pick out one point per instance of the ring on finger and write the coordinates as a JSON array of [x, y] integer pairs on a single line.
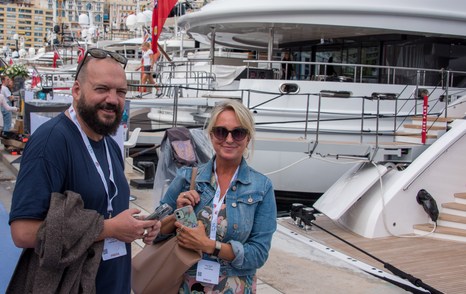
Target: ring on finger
[[145, 232], [185, 195]]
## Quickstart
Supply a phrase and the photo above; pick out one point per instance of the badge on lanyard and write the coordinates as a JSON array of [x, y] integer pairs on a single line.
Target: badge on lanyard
[[113, 248], [208, 271]]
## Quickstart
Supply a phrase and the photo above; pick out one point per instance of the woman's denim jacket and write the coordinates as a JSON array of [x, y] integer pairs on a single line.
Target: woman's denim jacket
[[251, 213]]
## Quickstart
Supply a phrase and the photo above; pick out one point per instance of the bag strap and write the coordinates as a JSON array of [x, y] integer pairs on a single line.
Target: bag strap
[[193, 178]]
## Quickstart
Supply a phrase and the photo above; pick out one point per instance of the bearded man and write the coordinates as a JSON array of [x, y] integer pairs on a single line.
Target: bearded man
[[74, 152]]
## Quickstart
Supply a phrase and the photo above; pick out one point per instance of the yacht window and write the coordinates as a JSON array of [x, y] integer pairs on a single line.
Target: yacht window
[[289, 88]]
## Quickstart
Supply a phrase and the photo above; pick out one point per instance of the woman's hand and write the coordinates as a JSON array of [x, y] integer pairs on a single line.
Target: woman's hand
[[190, 197], [194, 238]]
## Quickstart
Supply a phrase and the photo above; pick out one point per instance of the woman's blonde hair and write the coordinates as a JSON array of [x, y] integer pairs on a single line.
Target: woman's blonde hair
[[146, 44], [242, 113]]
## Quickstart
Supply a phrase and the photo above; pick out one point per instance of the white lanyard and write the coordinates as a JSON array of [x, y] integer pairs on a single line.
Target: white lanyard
[[217, 203], [96, 162]]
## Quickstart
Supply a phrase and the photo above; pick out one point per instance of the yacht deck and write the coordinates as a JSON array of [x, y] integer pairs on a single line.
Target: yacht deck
[[438, 263]]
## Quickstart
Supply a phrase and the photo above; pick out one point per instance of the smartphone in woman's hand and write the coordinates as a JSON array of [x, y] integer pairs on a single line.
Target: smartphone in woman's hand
[[186, 216]]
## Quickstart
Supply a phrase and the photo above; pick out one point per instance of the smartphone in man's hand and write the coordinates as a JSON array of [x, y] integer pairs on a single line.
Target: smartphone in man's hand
[[160, 212]]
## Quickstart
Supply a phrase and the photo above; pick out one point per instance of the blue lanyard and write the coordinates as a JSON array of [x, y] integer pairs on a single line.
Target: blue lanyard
[[96, 162]]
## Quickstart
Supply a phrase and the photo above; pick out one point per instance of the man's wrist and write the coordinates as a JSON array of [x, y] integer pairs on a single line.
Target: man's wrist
[[107, 230]]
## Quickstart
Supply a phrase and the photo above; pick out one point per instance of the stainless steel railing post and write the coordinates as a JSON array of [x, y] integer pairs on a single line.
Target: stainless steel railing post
[[377, 123], [175, 106], [318, 118], [362, 118], [307, 116]]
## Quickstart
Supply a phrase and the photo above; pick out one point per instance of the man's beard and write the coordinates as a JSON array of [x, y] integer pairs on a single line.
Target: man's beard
[[89, 115]]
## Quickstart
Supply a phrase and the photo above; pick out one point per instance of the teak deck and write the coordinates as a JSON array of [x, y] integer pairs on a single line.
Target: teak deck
[[438, 263]]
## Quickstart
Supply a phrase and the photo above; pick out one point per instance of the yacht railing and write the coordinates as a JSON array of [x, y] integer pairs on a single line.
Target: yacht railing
[[420, 77], [318, 71], [363, 73], [180, 76], [365, 133]]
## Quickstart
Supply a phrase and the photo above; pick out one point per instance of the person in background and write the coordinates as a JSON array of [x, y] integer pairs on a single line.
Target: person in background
[[5, 90], [287, 68], [330, 68], [74, 152], [235, 207], [6, 108], [4, 104], [147, 62]]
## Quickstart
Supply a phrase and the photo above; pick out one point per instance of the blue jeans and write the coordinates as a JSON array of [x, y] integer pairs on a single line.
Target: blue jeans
[[6, 120]]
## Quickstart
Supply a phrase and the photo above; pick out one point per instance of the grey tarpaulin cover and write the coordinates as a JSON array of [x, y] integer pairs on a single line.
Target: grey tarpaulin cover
[[180, 146]]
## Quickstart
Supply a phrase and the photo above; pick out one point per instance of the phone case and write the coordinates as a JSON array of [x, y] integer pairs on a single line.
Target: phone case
[[160, 212], [186, 216]]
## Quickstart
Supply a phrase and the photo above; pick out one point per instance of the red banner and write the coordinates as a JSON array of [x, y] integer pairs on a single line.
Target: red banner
[[160, 13], [424, 120]]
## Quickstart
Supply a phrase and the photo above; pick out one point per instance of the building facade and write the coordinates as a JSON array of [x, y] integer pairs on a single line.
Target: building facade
[[35, 21], [28, 22]]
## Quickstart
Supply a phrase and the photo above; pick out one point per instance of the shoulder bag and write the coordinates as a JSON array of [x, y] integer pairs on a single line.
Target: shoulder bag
[[159, 268]]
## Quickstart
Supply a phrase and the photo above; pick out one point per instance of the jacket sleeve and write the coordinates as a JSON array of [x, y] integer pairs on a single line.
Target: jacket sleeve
[[179, 184], [253, 253]]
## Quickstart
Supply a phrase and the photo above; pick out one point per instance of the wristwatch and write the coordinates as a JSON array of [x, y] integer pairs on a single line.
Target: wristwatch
[[218, 246]]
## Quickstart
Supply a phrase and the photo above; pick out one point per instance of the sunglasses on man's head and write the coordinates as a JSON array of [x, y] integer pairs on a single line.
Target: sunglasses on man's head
[[101, 54], [238, 134]]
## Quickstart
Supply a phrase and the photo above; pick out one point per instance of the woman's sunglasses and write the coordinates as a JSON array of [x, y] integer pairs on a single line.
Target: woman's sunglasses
[[238, 134], [101, 54]]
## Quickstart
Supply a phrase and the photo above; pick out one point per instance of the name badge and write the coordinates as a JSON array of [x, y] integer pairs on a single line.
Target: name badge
[[113, 248], [208, 271]]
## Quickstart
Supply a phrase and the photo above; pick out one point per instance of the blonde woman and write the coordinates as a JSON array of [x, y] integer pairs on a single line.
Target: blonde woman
[[235, 207]]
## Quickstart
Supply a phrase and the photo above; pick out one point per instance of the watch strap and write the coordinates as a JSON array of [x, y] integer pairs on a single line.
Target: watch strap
[[218, 246]]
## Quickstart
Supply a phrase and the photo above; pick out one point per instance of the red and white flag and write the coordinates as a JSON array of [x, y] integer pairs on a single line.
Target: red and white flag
[[35, 80], [80, 54]]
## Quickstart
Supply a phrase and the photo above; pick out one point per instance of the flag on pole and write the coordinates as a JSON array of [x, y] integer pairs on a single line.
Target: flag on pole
[[56, 56], [81, 53], [35, 80], [160, 13], [147, 35]]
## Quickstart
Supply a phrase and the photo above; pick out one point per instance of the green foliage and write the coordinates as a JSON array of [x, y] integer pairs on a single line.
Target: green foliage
[[16, 70]]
